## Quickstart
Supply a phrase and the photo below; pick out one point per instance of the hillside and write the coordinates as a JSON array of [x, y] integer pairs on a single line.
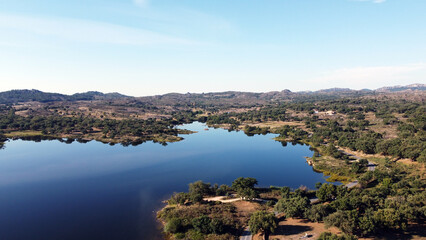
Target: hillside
[[16, 96], [235, 97]]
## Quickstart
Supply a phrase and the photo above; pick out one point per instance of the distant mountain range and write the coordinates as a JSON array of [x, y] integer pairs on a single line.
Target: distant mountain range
[[412, 87], [15, 96], [25, 95]]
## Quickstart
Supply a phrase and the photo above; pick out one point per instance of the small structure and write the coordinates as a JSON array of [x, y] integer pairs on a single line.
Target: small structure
[[305, 236]]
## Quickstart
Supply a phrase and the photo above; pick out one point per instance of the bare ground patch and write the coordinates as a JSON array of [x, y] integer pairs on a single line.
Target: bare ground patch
[[292, 228]]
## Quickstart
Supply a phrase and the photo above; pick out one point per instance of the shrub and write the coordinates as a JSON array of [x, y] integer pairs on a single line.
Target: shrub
[[202, 224], [174, 225], [293, 207]]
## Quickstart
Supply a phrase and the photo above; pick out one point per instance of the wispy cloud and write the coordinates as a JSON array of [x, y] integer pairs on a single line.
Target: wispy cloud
[[141, 3], [359, 77], [373, 1], [87, 31], [183, 20]]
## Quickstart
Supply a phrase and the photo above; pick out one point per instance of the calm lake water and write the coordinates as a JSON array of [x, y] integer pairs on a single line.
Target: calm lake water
[[51, 190]]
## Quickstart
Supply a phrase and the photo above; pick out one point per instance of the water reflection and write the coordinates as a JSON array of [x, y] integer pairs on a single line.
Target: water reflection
[[51, 190]]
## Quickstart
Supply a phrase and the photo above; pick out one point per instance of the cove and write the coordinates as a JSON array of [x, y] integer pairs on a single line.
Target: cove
[[51, 190]]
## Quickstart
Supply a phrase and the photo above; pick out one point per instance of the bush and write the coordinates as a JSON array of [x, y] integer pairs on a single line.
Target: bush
[[293, 207], [317, 212], [200, 188], [217, 226], [344, 220], [202, 224], [194, 235], [196, 197], [223, 190], [326, 192], [180, 235], [174, 225], [179, 198]]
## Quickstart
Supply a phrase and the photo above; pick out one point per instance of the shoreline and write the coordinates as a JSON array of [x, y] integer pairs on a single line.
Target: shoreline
[[84, 138]]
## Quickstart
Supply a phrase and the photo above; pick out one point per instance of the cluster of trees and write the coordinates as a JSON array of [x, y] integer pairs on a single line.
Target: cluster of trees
[[269, 113], [392, 203], [251, 131], [204, 222], [390, 198], [110, 128], [2, 140], [352, 131], [216, 226], [200, 219], [409, 143], [294, 133], [293, 206], [197, 190], [349, 129], [202, 225], [262, 221], [243, 187]]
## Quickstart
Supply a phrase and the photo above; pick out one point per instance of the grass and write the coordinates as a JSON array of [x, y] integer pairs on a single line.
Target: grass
[[167, 138], [337, 178], [337, 169], [23, 134], [186, 132]]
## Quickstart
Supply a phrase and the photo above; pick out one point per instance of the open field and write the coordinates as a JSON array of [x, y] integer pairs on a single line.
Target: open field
[[28, 133]]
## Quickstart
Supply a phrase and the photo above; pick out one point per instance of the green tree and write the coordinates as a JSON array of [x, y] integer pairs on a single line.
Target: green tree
[[242, 182], [344, 220], [179, 198], [331, 150], [318, 185], [367, 224], [317, 212], [248, 193], [198, 189], [293, 207], [285, 192], [390, 218], [262, 221], [245, 187], [223, 190], [326, 192]]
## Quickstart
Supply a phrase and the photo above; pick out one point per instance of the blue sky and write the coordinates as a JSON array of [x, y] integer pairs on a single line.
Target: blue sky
[[147, 47]]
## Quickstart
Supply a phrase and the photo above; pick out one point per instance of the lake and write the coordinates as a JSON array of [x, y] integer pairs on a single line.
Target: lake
[[51, 190]]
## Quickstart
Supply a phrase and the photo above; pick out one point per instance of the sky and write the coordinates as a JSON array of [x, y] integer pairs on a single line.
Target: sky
[[150, 47]]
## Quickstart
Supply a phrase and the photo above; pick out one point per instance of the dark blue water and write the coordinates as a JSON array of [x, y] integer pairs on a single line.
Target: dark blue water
[[51, 190]]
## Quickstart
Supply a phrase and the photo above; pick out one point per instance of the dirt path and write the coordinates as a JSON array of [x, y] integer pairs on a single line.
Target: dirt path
[[352, 184], [221, 199]]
